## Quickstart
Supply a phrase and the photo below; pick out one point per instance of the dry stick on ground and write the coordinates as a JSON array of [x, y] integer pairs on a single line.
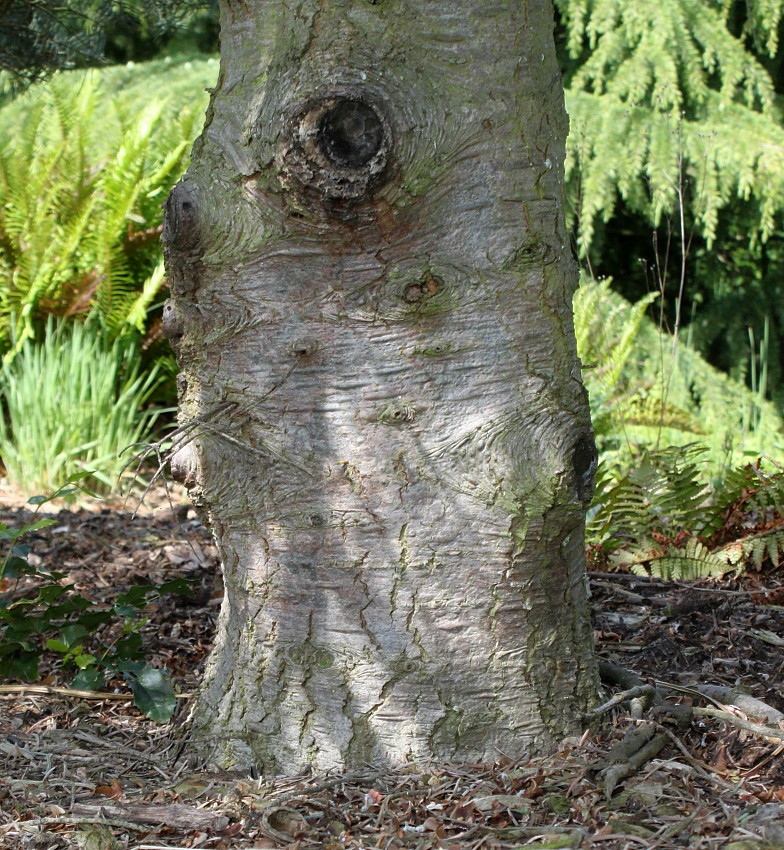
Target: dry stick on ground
[[74, 819], [175, 816], [646, 691], [774, 736], [721, 696], [70, 692]]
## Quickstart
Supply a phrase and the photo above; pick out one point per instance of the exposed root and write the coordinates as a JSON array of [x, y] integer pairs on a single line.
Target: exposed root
[[645, 741]]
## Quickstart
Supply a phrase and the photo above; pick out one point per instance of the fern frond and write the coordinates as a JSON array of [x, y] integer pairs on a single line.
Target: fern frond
[[672, 563], [136, 312], [73, 187]]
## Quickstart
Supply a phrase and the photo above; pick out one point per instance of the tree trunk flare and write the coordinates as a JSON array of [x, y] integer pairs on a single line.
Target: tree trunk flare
[[382, 416]]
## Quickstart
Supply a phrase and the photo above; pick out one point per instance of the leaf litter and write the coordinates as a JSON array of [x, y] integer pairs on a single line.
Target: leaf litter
[[94, 773]]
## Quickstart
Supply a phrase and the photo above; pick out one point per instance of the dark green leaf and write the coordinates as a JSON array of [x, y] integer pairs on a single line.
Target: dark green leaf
[[89, 679], [73, 634], [71, 605], [24, 623], [18, 567], [21, 665], [177, 585], [49, 592], [134, 668], [136, 595], [92, 619], [128, 647], [153, 695]]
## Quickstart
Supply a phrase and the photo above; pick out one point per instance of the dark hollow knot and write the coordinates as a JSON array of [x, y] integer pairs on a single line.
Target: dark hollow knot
[[350, 134]]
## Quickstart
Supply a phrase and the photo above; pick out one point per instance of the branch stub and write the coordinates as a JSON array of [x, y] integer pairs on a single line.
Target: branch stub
[[335, 151]]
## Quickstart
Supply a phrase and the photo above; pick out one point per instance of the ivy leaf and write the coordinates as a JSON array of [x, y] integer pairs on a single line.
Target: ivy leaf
[[17, 567], [22, 664], [177, 585], [129, 668], [136, 595], [89, 679], [73, 634], [92, 619], [153, 695], [128, 647], [48, 593]]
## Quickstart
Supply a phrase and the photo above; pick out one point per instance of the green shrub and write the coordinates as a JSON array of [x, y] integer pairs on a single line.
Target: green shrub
[[670, 428], [73, 402]]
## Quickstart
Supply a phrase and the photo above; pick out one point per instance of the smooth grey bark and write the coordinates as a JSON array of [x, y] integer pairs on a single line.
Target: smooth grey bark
[[382, 415]]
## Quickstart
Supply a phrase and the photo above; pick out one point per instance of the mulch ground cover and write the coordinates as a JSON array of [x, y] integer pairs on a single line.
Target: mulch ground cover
[[91, 772]]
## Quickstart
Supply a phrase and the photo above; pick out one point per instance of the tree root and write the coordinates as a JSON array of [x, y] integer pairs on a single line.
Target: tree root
[[639, 745], [645, 741]]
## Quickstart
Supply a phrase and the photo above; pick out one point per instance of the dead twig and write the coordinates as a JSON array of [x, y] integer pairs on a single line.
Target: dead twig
[[175, 816], [72, 819], [767, 732], [71, 692]]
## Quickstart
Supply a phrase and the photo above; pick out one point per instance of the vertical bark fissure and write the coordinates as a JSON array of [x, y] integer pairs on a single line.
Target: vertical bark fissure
[[371, 286]]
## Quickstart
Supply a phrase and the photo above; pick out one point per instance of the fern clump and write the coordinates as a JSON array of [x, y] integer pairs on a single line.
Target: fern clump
[[649, 390], [82, 180], [662, 518], [682, 511]]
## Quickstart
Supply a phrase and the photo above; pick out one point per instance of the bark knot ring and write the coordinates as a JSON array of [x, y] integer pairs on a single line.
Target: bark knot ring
[[335, 148]]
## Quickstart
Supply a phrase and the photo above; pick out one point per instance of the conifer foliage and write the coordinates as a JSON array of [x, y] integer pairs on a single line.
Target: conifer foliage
[[665, 93], [38, 37]]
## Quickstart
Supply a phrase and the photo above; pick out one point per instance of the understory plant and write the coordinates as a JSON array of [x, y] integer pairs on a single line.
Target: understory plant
[[661, 517], [676, 495], [649, 390], [72, 404], [90, 645], [81, 189]]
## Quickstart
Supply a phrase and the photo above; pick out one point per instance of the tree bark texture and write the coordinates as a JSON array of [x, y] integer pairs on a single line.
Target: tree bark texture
[[382, 415]]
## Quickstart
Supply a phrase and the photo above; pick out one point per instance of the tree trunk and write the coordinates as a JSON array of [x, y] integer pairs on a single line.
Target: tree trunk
[[382, 416]]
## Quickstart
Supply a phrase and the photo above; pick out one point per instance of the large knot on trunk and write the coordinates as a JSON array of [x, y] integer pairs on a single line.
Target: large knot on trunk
[[335, 152]]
